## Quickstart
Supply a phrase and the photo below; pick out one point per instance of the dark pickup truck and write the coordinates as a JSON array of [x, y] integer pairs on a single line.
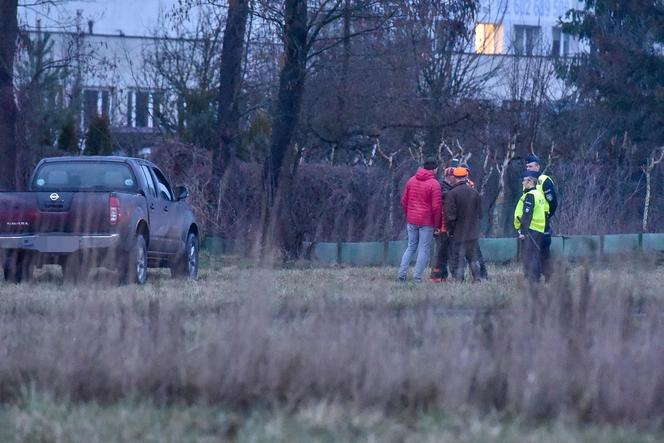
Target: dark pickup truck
[[83, 212]]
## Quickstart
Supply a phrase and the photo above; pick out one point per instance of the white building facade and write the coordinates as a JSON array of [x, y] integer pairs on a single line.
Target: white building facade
[[525, 28], [116, 83]]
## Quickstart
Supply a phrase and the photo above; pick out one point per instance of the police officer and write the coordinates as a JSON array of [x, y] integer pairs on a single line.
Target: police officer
[[546, 186], [530, 221]]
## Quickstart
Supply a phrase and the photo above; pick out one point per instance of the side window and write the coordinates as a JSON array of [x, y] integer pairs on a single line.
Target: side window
[[148, 180], [162, 185]]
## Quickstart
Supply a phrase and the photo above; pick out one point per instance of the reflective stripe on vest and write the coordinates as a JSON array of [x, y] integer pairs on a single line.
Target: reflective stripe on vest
[[538, 221], [540, 187]]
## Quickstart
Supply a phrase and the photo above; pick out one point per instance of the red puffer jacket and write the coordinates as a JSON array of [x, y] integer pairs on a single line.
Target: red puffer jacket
[[422, 201]]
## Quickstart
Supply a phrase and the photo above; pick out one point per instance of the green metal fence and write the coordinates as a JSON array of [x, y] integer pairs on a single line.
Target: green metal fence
[[495, 250]]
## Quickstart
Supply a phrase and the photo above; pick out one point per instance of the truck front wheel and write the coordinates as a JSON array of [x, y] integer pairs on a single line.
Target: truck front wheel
[[186, 263]]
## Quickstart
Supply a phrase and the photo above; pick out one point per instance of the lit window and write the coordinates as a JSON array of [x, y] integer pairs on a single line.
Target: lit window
[[489, 38]]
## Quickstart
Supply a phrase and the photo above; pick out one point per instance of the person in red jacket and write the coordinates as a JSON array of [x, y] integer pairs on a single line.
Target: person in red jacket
[[422, 205]]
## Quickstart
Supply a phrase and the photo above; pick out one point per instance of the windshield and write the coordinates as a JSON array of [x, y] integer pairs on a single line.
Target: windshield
[[84, 176]]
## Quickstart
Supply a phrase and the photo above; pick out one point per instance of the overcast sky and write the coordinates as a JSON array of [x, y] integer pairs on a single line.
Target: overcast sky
[[139, 17], [132, 17]]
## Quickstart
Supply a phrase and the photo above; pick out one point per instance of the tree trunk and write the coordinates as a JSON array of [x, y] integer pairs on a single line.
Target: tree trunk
[[230, 71], [646, 204], [343, 81], [499, 212], [392, 198], [279, 166], [655, 158], [8, 110]]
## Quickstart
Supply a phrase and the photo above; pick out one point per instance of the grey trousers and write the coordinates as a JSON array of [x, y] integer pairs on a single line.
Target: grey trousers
[[419, 239]]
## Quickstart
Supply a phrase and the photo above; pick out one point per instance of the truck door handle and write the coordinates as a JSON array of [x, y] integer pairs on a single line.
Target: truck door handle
[[166, 208]]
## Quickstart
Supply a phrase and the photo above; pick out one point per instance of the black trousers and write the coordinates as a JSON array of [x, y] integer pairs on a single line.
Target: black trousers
[[462, 252], [439, 269], [547, 266], [483, 272], [531, 255]]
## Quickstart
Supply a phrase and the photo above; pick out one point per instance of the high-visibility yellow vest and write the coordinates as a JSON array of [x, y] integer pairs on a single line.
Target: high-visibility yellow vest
[[538, 221], [540, 186]]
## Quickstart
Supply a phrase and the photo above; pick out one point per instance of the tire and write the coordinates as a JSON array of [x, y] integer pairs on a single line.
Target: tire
[[135, 270], [18, 267], [186, 263]]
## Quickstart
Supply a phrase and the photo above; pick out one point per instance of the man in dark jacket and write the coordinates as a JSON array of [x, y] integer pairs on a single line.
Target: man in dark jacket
[[439, 270], [422, 206], [463, 211], [483, 270]]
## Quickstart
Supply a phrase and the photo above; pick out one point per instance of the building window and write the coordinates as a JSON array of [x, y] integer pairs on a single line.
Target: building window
[[559, 43], [526, 39], [489, 38], [142, 108], [142, 112], [95, 102]]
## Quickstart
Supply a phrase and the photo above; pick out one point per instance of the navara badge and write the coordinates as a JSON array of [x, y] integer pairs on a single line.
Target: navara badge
[[54, 196]]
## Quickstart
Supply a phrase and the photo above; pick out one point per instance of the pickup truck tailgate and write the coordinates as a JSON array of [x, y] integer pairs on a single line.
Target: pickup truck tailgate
[[61, 212]]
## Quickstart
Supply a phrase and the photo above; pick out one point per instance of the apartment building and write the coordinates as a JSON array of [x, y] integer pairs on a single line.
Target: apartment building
[[525, 28], [117, 37]]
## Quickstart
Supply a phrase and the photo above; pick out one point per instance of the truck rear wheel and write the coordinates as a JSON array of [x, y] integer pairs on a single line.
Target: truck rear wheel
[[135, 269], [186, 263], [18, 267]]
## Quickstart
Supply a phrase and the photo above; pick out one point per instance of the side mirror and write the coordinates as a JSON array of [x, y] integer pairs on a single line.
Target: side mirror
[[181, 192]]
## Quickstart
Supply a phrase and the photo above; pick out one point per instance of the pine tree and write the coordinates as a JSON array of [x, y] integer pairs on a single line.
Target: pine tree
[[67, 139], [623, 73], [98, 139]]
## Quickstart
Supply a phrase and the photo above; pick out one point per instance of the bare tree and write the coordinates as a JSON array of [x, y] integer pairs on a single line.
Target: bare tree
[[301, 29], [655, 158], [393, 186], [8, 110], [440, 36], [230, 76], [498, 209], [185, 70], [278, 169]]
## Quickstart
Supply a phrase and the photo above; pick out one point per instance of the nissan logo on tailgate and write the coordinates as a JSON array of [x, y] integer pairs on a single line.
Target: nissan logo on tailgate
[[54, 196]]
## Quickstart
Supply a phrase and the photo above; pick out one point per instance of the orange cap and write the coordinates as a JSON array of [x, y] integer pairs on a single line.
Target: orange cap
[[460, 172]]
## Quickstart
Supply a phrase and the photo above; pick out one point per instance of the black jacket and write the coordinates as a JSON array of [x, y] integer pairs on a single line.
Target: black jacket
[[528, 209]]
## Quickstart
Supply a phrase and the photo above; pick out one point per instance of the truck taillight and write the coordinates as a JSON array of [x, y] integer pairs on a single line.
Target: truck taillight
[[114, 210]]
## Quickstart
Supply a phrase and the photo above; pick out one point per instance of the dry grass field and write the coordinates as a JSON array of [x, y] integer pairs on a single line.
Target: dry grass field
[[334, 354]]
